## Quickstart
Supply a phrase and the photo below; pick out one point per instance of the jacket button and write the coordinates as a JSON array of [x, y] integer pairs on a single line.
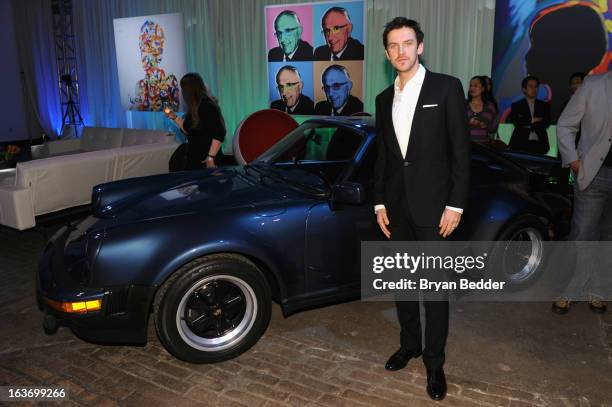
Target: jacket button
[[407, 163]]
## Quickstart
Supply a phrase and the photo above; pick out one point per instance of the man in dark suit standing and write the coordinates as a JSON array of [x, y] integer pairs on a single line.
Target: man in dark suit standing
[[531, 118], [289, 85], [337, 86], [288, 31], [421, 179], [336, 28]]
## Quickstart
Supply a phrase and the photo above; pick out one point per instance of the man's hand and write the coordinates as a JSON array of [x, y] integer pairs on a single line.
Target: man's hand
[[575, 166], [383, 222], [448, 222], [536, 120]]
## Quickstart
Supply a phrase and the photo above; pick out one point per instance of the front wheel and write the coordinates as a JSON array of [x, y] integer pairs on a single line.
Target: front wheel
[[213, 309]]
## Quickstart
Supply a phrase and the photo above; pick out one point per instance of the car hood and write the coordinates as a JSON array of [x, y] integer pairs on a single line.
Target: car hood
[[186, 192]]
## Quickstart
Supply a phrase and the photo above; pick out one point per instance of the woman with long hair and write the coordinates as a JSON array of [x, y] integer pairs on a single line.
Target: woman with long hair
[[203, 124], [489, 91], [481, 111]]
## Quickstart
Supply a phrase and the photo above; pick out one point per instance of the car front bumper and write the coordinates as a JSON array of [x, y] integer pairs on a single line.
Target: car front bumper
[[124, 313]]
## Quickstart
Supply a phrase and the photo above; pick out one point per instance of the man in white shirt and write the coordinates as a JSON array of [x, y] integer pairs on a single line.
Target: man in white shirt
[[421, 179], [531, 118]]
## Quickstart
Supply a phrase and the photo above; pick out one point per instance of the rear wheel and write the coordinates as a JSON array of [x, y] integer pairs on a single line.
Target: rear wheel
[[213, 309], [519, 253]]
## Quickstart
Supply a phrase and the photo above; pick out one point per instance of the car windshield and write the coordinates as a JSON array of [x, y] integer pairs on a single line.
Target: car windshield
[[314, 142], [311, 156]]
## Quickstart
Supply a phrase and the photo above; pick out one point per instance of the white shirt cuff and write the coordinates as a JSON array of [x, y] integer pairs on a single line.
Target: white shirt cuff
[[377, 207], [452, 208]]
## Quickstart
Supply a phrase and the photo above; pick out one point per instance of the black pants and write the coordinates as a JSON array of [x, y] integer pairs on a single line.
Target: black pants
[[402, 228]]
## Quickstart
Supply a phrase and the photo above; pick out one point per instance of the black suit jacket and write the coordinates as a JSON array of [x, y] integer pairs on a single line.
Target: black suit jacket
[[304, 106], [303, 53], [520, 117], [353, 105], [353, 52], [435, 172]]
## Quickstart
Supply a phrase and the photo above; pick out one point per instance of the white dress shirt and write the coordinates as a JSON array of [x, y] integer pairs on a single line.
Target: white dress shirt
[[336, 57], [404, 104], [532, 134], [290, 56]]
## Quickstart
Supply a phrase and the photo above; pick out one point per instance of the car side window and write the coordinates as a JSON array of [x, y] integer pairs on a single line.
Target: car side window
[[331, 144], [364, 174]]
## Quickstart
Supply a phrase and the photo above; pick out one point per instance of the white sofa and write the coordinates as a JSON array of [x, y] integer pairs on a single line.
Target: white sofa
[[63, 173]]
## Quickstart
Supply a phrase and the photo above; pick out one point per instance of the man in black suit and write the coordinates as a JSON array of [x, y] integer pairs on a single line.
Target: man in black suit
[[531, 118], [421, 179], [289, 85], [288, 31], [336, 28], [337, 86]]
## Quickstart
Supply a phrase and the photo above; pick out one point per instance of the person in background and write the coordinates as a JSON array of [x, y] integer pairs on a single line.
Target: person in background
[[489, 92], [203, 124], [575, 81], [531, 118], [481, 112], [591, 162]]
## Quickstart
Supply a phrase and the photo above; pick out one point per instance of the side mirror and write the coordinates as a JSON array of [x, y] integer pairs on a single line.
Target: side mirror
[[351, 193]]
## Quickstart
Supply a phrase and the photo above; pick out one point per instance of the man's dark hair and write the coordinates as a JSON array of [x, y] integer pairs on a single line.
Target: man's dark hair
[[401, 22], [526, 80], [580, 75]]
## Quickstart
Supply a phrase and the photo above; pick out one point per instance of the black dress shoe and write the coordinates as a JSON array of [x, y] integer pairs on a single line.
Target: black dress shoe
[[598, 306], [561, 306], [400, 359], [436, 384]]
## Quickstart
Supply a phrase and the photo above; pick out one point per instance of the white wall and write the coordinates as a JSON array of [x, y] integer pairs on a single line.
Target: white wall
[[12, 117]]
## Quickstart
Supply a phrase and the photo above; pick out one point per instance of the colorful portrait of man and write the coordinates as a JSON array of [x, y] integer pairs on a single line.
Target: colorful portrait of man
[[337, 32], [290, 85], [288, 30], [337, 85], [549, 40], [157, 89]]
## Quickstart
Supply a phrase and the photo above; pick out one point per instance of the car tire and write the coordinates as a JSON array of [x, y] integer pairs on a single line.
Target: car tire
[[519, 255], [212, 309]]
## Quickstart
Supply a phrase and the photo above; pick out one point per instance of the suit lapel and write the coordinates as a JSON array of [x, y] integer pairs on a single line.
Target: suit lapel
[[414, 129], [388, 121], [527, 110]]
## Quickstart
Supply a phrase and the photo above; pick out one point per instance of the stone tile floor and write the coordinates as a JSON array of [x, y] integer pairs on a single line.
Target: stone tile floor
[[498, 355]]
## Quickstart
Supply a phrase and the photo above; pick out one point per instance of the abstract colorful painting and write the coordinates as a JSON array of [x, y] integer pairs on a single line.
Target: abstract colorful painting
[[549, 39], [150, 61]]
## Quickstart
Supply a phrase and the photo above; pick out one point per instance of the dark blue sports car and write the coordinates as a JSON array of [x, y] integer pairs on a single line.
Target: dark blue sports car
[[206, 252]]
